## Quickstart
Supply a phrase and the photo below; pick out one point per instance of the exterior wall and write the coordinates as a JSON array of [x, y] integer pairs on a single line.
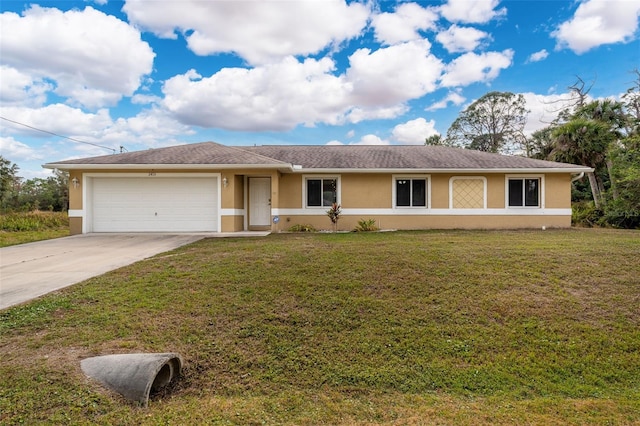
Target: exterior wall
[[366, 191], [369, 196], [232, 223], [349, 223], [290, 191], [75, 225], [558, 191]]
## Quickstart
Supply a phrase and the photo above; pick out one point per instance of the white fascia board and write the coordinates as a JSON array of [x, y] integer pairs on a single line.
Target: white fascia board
[[158, 167], [465, 171]]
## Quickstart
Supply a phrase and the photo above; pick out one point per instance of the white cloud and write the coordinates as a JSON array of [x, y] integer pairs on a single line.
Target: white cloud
[[273, 97], [60, 119], [414, 132], [394, 74], [452, 97], [598, 22], [371, 140], [471, 67], [94, 59], [404, 23], [14, 150], [21, 89], [543, 109], [150, 128], [282, 95], [357, 114], [471, 11], [260, 32], [461, 39], [538, 56]]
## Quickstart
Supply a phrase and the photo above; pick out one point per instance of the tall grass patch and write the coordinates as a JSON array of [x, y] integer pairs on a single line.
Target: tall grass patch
[[33, 221], [26, 227]]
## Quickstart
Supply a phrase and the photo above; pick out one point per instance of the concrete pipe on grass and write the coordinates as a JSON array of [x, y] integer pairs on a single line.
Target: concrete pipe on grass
[[134, 375]]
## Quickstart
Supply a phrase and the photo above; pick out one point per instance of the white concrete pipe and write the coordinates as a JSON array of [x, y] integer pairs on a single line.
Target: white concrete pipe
[[133, 375]]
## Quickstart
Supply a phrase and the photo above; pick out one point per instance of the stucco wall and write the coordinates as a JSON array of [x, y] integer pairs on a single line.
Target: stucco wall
[[368, 191], [558, 191], [349, 223]]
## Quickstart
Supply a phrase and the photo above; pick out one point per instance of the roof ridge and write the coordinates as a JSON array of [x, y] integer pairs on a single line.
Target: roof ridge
[[237, 148]]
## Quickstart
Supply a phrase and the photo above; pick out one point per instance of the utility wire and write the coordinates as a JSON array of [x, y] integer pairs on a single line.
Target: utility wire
[[60, 136]]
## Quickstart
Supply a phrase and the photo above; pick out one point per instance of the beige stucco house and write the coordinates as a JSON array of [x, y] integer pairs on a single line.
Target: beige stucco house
[[208, 187]]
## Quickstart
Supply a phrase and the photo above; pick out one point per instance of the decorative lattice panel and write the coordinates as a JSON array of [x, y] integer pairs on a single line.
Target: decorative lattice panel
[[468, 194]]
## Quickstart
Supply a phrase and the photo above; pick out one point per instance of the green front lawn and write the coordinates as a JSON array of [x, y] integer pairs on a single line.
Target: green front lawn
[[523, 327]]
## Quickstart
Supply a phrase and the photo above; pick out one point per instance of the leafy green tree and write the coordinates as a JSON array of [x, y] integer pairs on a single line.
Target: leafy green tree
[[585, 142], [624, 210], [631, 99], [9, 181], [540, 144], [45, 194], [33, 194], [493, 123], [434, 140]]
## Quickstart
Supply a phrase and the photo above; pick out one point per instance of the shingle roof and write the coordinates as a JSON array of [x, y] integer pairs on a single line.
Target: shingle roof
[[321, 157], [197, 153], [397, 157]]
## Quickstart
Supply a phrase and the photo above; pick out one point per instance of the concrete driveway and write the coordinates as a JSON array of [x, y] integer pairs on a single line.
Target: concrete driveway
[[31, 270]]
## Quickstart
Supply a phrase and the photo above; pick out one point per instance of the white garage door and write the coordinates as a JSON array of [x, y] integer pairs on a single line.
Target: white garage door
[[155, 204]]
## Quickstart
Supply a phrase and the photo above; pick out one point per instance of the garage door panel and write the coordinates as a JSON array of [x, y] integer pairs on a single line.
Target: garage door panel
[[142, 204]]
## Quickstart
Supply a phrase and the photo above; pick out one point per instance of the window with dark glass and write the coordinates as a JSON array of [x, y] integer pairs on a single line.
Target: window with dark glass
[[411, 192], [524, 192], [322, 192]]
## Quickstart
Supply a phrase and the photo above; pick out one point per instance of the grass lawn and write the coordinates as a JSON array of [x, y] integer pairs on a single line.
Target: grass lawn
[[525, 327]]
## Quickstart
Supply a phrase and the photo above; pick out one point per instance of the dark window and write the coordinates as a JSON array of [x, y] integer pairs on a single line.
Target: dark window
[[411, 192], [524, 192], [322, 192], [314, 192]]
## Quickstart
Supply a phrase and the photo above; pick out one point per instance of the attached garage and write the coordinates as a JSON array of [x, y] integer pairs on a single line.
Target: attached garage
[[152, 203]]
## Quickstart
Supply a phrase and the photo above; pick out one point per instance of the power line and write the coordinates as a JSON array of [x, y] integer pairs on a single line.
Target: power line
[[55, 134]]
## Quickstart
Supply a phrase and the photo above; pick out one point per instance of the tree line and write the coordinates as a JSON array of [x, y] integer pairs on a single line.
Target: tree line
[[601, 134], [18, 194]]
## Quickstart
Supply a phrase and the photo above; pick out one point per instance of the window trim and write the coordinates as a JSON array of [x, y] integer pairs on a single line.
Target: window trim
[[484, 188], [541, 194], [305, 178], [394, 199]]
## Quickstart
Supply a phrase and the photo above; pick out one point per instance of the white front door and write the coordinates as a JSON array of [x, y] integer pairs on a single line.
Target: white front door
[[259, 202]]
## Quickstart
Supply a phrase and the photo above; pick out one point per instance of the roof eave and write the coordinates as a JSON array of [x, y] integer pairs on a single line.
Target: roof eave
[[448, 170], [77, 166]]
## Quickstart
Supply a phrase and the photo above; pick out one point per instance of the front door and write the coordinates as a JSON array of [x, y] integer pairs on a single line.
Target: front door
[[259, 202]]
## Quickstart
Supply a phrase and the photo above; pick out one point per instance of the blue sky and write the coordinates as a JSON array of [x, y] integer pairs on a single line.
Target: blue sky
[[143, 74]]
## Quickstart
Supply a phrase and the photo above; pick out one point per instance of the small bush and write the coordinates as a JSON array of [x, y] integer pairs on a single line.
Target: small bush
[[366, 225], [302, 228], [586, 214]]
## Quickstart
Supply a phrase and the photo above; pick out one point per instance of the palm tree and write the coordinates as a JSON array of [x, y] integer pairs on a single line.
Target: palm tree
[[585, 142]]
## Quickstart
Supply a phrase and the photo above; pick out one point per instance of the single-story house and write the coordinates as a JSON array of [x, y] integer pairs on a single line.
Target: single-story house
[[208, 187]]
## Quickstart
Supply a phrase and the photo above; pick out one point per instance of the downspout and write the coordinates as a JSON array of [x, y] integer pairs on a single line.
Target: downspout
[[580, 176]]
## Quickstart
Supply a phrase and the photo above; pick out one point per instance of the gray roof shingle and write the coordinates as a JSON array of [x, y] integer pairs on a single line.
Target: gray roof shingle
[[322, 157], [196, 153], [397, 157]]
